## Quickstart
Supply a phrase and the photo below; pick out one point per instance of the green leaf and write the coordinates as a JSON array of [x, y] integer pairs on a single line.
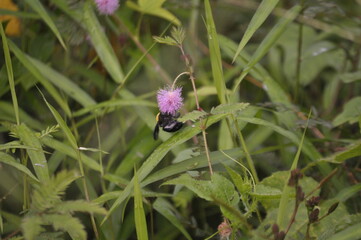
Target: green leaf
[[113, 104], [165, 40], [193, 116], [154, 159], [39, 8], [9, 160], [263, 11], [31, 226], [217, 188], [229, 108], [65, 84], [64, 127], [348, 192], [66, 223], [101, 44], [69, 151], [351, 151], [36, 72], [351, 112], [37, 156], [350, 76], [268, 42], [154, 7], [139, 214], [282, 210], [215, 54], [9, 69], [168, 211], [69, 207], [350, 233]]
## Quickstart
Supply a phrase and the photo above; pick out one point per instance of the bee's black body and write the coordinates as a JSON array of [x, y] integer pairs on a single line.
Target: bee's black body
[[167, 122]]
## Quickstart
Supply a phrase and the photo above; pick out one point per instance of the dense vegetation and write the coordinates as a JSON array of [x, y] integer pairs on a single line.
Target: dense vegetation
[[261, 100]]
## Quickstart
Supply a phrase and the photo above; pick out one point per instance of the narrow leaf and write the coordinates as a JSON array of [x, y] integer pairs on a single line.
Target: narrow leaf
[[36, 72], [169, 212], [9, 69], [102, 45], [37, 156], [263, 11], [9, 160], [215, 54], [268, 42], [39, 8], [139, 214], [350, 233]]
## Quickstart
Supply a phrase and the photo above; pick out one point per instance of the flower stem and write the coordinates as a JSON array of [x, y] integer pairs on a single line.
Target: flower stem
[[203, 125], [175, 80]]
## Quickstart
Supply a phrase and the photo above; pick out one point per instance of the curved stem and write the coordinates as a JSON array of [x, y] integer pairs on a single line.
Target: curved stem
[[175, 80]]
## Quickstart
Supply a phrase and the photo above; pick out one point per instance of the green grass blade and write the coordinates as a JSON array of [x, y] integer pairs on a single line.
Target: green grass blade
[[112, 104], [102, 45], [167, 210], [282, 210], [268, 42], [139, 214], [263, 11], [9, 160], [64, 83], [69, 151], [9, 69], [158, 154], [64, 127], [25, 60], [350, 233], [215, 54], [37, 156], [39, 8]]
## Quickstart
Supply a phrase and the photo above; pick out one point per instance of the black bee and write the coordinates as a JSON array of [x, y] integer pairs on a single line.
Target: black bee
[[168, 122]]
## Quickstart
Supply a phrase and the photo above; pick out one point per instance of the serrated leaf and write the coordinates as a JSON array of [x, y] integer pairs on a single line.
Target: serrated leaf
[[7, 159], [229, 108], [193, 116], [68, 224], [69, 207], [31, 226], [165, 40]]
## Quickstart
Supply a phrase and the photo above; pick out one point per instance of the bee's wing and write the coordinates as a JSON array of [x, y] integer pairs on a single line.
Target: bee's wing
[[156, 131]]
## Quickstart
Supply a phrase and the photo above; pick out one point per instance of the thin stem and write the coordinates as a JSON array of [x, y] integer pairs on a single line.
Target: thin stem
[[299, 55], [179, 75], [203, 124]]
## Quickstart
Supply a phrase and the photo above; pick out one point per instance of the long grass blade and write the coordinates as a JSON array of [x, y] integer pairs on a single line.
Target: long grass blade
[[139, 214], [9, 69], [263, 11], [102, 45], [9, 160], [39, 8], [36, 72], [282, 210], [215, 54], [268, 42]]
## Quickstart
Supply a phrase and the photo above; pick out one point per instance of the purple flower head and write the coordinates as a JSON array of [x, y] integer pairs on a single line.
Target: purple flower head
[[170, 100], [107, 7]]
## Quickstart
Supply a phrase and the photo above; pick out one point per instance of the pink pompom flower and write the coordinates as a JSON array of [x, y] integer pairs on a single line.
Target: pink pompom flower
[[170, 100], [107, 7]]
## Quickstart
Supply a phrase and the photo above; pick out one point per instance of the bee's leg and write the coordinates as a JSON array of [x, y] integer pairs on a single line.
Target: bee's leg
[[156, 132]]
